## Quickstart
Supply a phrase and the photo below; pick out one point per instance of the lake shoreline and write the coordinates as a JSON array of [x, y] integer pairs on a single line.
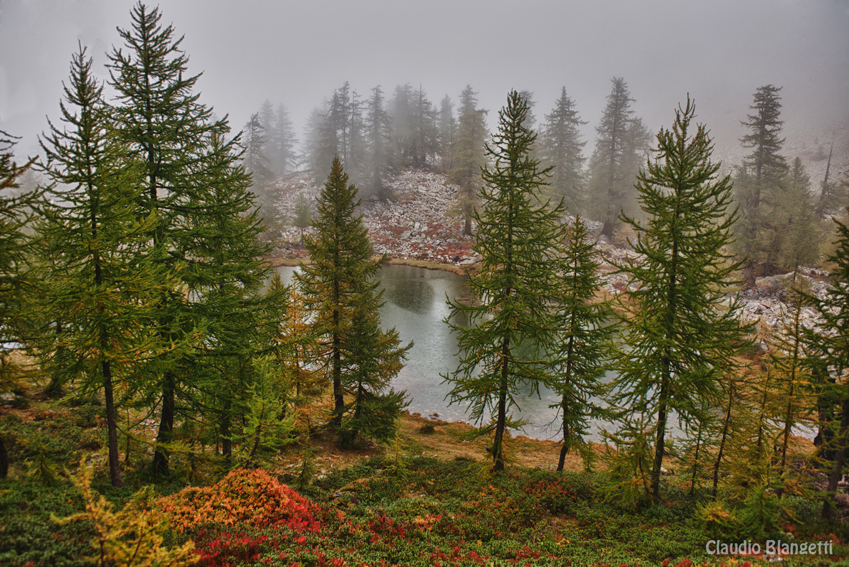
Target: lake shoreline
[[460, 270]]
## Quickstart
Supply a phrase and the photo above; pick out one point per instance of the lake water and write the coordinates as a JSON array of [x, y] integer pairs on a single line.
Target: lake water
[[415, 304]]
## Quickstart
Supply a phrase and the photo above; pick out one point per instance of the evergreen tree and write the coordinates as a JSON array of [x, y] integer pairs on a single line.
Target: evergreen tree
[[341, 295], [282, 143], [303, 215], [378, 161], [833, 345], [13, 267], [679, 336], [759, 179], [794, 378], [467, 157], [508, 322], [227, 274], [167, 130], [621, 141], [447, 131], [793, 218], [583, 344], [105, 278], [560, 148], [255, 159]]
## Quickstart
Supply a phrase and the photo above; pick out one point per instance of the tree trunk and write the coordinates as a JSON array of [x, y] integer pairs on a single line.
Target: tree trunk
[[111, 426], [725, 426], [659, 449], [166, 424], [828, 511], [501, 423], [4, 459]]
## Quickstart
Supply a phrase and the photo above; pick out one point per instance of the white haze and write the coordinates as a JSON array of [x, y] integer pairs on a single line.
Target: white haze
[[297, 53]]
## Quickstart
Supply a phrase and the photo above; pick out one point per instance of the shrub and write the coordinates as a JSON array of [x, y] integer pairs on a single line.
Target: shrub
[[245, 496]]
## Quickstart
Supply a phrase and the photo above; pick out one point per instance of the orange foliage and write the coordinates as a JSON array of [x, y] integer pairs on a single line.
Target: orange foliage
[[245, 496]]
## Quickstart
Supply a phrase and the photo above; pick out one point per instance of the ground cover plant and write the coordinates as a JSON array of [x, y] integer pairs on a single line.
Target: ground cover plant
[[390, 508]]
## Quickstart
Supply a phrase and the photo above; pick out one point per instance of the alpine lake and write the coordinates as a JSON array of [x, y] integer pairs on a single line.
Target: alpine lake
[[415, 304]]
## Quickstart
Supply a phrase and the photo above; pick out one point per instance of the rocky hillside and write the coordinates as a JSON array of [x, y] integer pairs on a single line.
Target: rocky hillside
[[420, 225]]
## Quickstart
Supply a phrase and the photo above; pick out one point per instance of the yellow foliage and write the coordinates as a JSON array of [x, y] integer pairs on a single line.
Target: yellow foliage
[[131, 537]]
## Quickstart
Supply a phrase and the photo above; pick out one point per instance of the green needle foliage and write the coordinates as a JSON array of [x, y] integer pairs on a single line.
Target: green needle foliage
[[13, 264], [679, 335], [183, 157], [833, 346], [583, 346], [509, 323], [104, 281], [340, 291]]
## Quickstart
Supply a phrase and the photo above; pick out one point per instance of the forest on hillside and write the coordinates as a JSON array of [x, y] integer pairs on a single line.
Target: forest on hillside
[[134, 277]]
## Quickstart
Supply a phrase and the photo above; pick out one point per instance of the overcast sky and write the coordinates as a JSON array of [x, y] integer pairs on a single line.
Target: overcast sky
[[298, 52]]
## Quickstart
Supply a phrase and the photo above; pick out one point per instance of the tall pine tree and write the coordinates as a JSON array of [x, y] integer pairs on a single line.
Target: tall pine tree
[[104, 280], [582, 348], [561, 148], [467, 156], [759, 180], [508, 323], [168, 131], [679, 336], [340, 292], [621, 142]]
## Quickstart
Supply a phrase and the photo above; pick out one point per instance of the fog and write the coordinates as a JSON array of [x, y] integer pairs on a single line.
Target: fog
[[297, 53]]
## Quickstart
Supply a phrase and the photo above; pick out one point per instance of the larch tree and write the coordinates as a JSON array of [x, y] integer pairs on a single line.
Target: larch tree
[[226, 274], [759, 179], [679, 336], [467, 156], [447, 131], [508, 324], [341, 294], [561, 148], [583, 347], [282, 142], [168, 131], [13, 265], [797, 230], [105, 278], [832, 343], [621, 142], [378, 155]]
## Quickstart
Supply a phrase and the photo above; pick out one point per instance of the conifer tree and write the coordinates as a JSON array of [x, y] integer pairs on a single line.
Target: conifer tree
[[255, 158], [467, 156], [13, 266], [447, 131], [378, 160], [341, 295], [621, 141], [833, 345], [679, 336], [303, 215], [582, 347], [795, 222], [167, 130], [508, 324], [283, 143], [226, 276], [105, 278], [794, 378], [560, 148], [761, 175]]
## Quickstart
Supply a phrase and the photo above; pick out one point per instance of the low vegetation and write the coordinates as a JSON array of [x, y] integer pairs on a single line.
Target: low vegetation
[[392, 505]]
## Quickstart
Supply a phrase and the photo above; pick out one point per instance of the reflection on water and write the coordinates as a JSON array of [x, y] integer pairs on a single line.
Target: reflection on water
[[415, 304]]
